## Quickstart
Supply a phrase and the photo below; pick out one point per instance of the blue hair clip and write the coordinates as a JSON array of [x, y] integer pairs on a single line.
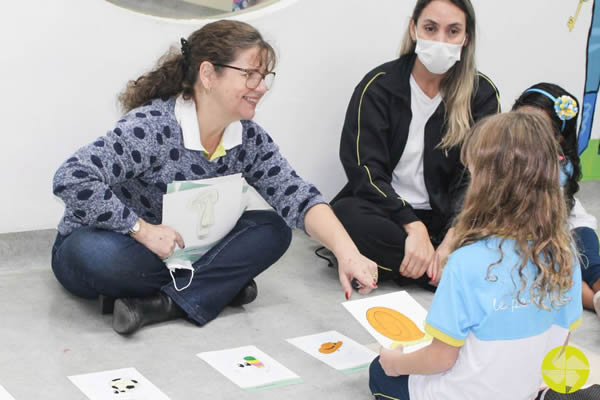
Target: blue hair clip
[[565, 106]]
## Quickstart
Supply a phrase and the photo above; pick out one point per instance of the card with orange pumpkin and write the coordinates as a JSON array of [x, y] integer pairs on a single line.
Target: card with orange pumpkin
[[392, 319], [336, 350]]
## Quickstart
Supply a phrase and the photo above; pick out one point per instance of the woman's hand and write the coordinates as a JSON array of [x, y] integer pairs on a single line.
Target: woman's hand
[[418, 251], [356, 266], [322, 224], [391, 360], [436, 266], [159, 239]]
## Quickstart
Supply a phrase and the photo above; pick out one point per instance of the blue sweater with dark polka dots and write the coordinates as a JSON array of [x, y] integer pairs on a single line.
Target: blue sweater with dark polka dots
[[123, 175]]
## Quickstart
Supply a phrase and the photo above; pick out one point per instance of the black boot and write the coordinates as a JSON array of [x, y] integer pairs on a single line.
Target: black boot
[[107, 304], [246, 295], [131, 313]]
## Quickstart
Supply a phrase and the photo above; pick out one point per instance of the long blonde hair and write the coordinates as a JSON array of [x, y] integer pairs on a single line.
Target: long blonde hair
[[460, 83], [515, 193]]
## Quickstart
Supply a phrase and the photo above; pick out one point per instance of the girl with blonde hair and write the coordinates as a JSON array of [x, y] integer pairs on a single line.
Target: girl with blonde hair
[[511, 290]]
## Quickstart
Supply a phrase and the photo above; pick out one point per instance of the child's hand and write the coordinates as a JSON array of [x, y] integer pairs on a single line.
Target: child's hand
[[391, 361]]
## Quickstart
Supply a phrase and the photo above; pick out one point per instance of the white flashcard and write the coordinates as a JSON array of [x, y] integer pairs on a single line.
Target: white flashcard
[[203, 212], [250, 368], [393, 319], [123, 384], [336, 350], [4, 395]]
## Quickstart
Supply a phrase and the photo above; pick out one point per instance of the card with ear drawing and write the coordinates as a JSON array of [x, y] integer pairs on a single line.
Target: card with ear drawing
[[336, 350]]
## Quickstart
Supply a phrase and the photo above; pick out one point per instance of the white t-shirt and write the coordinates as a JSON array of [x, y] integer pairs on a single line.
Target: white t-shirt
[[408, 179], [502, 341]]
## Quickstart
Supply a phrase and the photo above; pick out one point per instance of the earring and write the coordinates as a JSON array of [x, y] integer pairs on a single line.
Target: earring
[[208, 90]]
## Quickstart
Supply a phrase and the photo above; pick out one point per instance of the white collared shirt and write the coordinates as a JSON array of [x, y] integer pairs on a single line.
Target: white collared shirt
[[185, 113]]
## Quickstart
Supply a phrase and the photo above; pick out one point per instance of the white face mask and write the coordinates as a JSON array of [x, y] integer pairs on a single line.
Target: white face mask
[[176, 264], [438, 57]]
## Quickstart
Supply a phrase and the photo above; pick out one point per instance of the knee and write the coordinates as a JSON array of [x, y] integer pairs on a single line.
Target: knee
[[275, 232], [375, 375], [89, 254]]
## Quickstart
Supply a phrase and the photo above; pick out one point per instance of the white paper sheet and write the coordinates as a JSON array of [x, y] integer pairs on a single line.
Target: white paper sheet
[[389, 326], [203, 212], [112, 385], [336, 350], [4, 395], [250, 368]]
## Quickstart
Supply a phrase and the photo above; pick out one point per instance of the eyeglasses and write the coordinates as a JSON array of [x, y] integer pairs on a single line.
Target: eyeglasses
[[253, 77]]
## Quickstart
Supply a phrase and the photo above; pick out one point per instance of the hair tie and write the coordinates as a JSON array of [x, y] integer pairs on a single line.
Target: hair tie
[[185, 51], [565, 106]]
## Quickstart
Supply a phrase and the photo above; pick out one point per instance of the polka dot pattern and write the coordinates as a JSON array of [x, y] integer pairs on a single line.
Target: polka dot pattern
[[136, 156], [291, 190], [59, 189], [198, 170], [145, 201], [80, 174], [144, 153], [104, 217], [96, 161], [274, 171], [80, 214], [116, 170], [118, 148], [139, 132], [84, 194]]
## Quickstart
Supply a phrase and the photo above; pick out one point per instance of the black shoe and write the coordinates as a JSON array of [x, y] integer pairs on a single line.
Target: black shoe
[[131, 313], [107, 304], [246, 295]]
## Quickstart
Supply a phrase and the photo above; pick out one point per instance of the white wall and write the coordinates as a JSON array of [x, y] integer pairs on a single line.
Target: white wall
[[64, 61]]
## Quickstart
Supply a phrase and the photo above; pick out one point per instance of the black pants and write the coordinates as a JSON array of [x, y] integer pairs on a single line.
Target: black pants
[[378, 237]]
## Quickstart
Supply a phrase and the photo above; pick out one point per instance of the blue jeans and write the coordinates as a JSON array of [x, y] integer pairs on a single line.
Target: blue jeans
[[386, 387], [587, 243], [91, 262]]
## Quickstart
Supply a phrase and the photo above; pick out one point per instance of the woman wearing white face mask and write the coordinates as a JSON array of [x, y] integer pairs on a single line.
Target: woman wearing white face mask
[[401, 142]]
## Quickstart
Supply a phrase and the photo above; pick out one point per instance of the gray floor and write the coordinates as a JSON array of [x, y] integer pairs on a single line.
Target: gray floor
[[47, 334]]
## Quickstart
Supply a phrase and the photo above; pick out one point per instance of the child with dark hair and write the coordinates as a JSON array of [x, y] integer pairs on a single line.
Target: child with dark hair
[[561, 108]]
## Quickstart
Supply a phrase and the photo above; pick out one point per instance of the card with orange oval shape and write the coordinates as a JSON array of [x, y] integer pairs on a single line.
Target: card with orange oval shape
[[336, 350], [393, 319]]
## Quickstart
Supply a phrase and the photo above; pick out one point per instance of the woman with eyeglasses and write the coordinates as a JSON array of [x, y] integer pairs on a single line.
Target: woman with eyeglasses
[[401, 142], [188, 119]]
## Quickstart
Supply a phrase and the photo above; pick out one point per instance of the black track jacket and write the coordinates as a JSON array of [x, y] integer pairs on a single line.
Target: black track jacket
[[375, 133]]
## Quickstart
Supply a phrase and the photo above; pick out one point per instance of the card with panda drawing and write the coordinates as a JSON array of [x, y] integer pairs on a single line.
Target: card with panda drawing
[[250, 368], [4, 395], [122, 384], [392, 319], [336, 350]]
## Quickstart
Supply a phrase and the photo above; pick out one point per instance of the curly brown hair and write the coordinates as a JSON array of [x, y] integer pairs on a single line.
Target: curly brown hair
[[515, 193], [175, 73]]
